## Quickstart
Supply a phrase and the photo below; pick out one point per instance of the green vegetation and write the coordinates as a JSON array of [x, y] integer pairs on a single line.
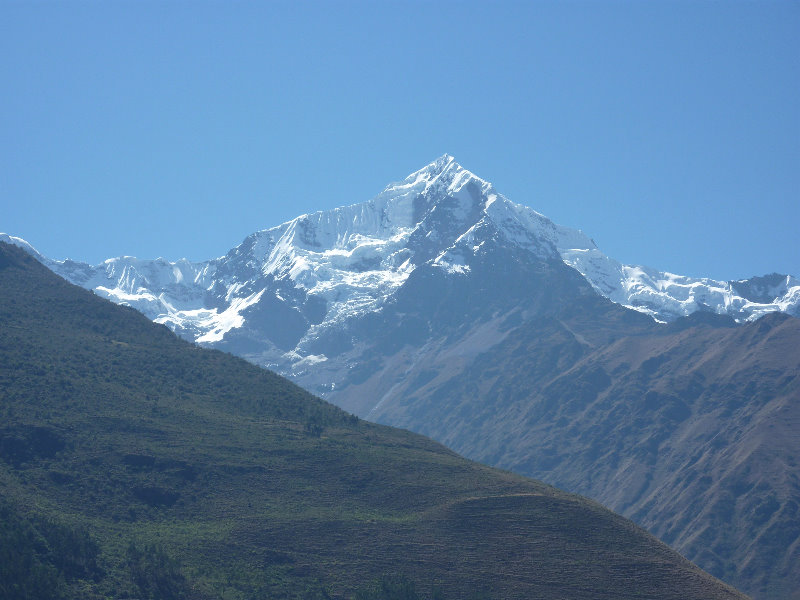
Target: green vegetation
[[40, 558], [395, 588], [156, 574], [26, 569], [135, 465]]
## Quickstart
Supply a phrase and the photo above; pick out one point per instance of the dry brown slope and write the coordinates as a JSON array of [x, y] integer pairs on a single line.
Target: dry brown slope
[[689, 429]]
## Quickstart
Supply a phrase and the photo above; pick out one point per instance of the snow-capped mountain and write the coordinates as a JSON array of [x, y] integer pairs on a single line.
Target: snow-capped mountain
[[666, 296], [308, 298], [320, 270]]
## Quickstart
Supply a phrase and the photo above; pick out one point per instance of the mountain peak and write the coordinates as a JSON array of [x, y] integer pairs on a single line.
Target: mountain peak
[[444, 173], [442, 163]]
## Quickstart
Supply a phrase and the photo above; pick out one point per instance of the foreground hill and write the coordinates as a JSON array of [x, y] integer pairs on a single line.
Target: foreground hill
[[136, 465]]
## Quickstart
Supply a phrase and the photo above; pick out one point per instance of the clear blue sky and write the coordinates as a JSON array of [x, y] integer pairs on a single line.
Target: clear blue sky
[[668, 131]]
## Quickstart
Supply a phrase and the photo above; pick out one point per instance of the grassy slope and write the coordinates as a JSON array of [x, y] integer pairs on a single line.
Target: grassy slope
[[111, 425]]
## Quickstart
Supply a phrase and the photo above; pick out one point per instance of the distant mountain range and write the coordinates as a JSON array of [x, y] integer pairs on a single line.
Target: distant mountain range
[[136, 465], [445, 308]]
